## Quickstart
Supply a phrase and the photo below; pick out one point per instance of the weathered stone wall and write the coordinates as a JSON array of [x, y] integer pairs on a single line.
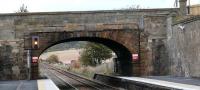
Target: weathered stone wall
[[184, 48], [13, 27], [13, 66], [153, 46]]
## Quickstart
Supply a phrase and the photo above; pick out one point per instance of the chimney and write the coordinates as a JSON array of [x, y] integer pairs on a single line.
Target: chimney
[[183, 7]]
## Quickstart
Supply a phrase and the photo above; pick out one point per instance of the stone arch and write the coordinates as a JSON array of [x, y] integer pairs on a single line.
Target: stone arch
[[123, 42]]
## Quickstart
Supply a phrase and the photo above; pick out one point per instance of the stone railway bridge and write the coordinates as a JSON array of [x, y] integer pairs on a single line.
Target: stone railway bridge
[[126, 32], [124, 42]]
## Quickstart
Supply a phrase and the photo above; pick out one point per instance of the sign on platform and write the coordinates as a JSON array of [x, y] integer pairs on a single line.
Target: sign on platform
[[34, 59], [135, 57]]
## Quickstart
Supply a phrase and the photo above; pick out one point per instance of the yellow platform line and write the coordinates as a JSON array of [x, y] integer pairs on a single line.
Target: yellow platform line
[[41, 84]]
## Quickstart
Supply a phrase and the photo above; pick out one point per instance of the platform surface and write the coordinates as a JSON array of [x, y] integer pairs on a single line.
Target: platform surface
[[43, 84], [172, 82]]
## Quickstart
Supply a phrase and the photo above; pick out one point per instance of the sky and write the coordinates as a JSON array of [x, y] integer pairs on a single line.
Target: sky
[[10, 6]]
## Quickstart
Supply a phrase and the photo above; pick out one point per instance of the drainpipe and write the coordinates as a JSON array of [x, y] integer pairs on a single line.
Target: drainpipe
[[29, 64], [141, 28], [188, 7]]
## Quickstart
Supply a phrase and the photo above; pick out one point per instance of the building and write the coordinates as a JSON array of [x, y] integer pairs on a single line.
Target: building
[[195, 9]]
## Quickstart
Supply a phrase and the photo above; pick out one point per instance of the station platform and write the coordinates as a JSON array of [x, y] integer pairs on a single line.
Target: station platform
[[42, 84], [171, 82]]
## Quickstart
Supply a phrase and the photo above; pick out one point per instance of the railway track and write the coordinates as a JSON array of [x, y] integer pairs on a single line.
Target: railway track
[[76, 82]]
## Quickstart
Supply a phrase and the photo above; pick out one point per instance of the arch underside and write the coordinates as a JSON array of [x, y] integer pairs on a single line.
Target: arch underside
[[124, 42]]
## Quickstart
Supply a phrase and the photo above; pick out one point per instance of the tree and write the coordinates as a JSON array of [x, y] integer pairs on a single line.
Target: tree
[[22, 9], [133, 7], [94, 54], [53, 59]]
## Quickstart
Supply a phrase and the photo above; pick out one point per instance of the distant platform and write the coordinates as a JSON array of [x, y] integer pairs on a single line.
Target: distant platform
[[171, 82], [43, 84]]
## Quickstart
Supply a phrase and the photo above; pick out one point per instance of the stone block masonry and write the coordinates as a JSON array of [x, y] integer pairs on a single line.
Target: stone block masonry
[[184, 49], [14, 26]]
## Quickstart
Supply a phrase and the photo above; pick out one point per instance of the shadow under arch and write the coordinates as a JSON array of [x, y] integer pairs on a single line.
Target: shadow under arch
[[124, 56]]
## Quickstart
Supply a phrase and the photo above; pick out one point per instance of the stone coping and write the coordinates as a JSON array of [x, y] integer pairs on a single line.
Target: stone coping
[[187, 19], [88, 12]]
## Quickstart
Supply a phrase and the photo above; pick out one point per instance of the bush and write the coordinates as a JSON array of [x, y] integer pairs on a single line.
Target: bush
[[94, 53], [53, 59]]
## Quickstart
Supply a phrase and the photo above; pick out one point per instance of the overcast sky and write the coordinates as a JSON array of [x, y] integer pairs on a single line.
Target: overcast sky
[[9, 6]]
